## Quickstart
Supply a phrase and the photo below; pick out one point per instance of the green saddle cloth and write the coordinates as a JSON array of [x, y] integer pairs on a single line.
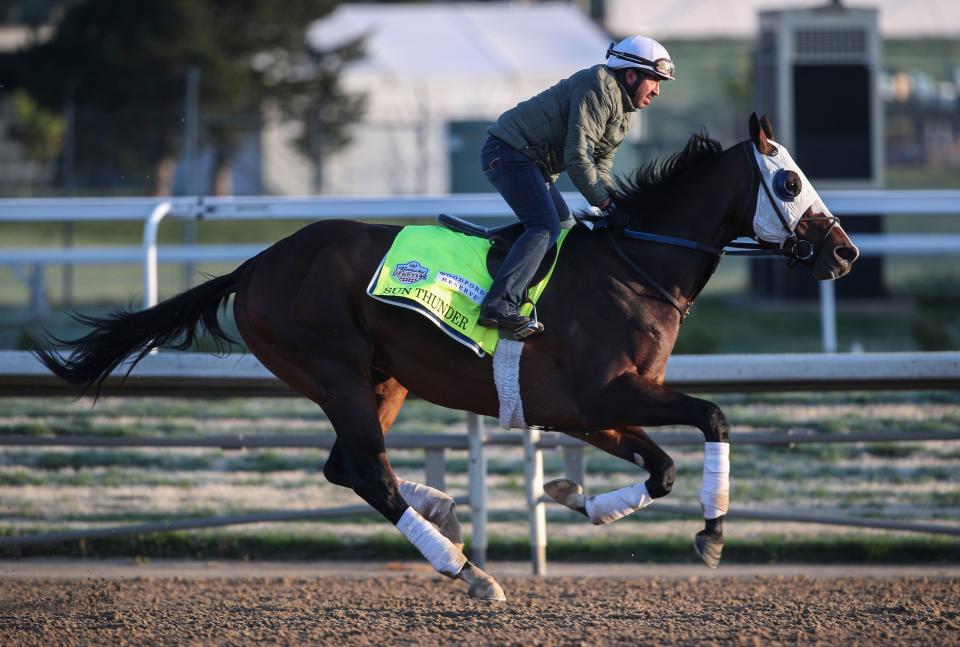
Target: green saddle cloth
[[442, 274]]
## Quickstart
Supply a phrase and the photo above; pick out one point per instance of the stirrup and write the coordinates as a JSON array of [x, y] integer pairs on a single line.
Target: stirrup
[[532, 327]]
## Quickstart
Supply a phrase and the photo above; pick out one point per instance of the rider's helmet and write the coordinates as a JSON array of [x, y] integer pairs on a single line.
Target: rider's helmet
[[643, 54]]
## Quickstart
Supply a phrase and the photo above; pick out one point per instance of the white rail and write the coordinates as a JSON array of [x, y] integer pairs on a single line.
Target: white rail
[[205, 375], [152, 211], [841, 203]]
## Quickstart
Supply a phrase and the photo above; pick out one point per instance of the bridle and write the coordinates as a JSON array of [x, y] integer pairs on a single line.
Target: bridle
[[794, 248]]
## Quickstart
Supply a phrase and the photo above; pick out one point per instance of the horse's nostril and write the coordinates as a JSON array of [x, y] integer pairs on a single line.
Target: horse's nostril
[[849, 254]]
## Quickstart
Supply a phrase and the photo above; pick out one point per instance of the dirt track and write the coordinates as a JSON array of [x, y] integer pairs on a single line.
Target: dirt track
[[413, 607]]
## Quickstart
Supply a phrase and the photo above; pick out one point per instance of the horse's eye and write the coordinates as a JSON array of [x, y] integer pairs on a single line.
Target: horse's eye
[[787, 184]]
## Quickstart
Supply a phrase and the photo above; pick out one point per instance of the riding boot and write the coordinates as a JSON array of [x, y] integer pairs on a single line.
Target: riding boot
[[500, 308]]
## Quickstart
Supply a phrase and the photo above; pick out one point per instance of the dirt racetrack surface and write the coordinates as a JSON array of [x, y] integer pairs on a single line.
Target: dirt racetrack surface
[[407, 606]]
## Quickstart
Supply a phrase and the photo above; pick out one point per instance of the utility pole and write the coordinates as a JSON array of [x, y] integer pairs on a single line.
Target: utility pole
[[69, 157], [191, 165]]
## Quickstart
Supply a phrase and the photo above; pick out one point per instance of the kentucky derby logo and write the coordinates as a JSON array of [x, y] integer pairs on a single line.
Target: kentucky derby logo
[[410, 272]]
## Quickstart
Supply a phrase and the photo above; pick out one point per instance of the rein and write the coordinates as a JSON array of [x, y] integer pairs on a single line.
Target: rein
[[684, 310]]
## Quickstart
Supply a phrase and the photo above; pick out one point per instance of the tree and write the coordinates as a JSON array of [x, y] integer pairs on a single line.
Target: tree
[[33, 13], [39, 131], [123, 65]]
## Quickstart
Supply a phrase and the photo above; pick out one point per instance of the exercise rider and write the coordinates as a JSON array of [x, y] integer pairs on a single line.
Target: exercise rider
[[574, 126]]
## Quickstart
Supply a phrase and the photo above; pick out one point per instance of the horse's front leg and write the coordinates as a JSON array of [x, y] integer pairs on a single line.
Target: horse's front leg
[[631, 400], [632, 444]]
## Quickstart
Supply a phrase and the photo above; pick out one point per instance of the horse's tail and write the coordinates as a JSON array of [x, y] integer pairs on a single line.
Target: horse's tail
[[125, 333]]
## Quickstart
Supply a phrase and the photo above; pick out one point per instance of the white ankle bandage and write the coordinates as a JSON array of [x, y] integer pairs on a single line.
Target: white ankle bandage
[[439, 551], [429, 502], [715, 491], [610, 506]]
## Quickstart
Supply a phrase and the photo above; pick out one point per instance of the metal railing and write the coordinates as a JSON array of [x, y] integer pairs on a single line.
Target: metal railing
[[191, 376], [203, 375], [208, 376], [152, 212]]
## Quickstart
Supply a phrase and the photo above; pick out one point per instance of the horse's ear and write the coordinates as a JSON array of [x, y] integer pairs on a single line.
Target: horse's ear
[[759, 137], [767, 126]]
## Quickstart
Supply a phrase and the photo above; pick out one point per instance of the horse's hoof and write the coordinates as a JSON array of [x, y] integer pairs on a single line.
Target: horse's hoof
[[567, 493], [708, 548], [486, 589], [481, 586]]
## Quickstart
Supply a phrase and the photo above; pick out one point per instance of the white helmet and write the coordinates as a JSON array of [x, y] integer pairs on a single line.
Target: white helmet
[[642, 53]]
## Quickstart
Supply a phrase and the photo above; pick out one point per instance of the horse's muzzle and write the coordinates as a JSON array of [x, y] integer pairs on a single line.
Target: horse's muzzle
[[837, 263]]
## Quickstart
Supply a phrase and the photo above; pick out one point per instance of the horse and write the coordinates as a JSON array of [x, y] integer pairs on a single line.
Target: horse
[[614, 309]]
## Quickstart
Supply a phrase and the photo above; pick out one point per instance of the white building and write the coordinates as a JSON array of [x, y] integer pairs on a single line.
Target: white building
[[436, 73], [428, 68], [686, 19]]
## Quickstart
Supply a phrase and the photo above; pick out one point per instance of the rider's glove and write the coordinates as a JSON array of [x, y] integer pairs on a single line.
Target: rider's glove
[[616, 217]]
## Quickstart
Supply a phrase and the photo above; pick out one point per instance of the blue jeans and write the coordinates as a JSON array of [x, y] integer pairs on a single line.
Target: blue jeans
[[539, 206]]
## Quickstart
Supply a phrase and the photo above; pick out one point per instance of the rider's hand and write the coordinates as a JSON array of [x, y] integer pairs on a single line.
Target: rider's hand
[[616, 217]]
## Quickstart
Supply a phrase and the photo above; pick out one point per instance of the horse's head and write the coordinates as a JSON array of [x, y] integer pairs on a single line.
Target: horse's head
[[790, 213]]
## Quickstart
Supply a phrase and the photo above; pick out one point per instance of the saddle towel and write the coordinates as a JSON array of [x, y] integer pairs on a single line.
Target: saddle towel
[[442, 274]]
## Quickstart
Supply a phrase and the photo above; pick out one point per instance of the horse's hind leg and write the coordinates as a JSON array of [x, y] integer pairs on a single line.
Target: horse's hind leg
[[631, 444], [359, 458], [362, 463], [434, 505], [330, 363]]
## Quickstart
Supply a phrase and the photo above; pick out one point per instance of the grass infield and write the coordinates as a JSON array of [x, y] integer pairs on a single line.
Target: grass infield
[[279, 545]]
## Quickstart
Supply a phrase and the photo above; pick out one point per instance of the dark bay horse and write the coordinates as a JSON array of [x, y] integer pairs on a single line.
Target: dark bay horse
[[613, 315]]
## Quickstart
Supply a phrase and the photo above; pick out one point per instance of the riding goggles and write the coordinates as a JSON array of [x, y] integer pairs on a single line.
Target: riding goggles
[[663, 67]]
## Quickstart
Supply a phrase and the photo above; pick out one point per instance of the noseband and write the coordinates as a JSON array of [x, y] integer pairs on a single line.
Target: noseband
[[794, 248]]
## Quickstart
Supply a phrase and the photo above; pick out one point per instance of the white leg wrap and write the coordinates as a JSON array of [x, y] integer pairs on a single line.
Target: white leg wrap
[[610, 506], [429, 502], [439, 551], [506, 377], [715, 491]]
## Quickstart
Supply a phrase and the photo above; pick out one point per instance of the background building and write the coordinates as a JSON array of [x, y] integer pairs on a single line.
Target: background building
[[435, 76]]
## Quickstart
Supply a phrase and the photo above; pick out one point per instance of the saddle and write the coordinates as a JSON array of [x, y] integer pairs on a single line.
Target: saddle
[[501, 239]]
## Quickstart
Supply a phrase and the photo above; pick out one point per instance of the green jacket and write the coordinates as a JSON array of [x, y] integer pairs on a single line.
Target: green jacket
[[574, 126]]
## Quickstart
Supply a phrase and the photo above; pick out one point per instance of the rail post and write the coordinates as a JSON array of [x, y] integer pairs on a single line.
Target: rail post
[[573, 464], [150, 228], [478, 489], [828, 317], [533, 467], [435, 466]]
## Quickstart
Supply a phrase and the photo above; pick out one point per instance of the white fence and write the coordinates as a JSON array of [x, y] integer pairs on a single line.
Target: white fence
[[200, 375], [152, 212], [185, 374]]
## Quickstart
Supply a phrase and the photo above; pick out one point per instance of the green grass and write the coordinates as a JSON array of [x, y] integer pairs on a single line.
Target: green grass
[[87, 478], [885, 480], [921, 177], [892, 450], [281, 545], [265, 460], [724, 325]]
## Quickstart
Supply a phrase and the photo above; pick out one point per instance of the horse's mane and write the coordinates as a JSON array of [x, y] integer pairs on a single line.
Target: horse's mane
[[700, 148]]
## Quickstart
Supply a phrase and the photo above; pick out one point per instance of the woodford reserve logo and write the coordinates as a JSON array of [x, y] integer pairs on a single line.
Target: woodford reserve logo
[[410, 272]]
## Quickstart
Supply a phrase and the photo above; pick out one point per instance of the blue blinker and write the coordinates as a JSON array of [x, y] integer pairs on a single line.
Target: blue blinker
[[786, 184]]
